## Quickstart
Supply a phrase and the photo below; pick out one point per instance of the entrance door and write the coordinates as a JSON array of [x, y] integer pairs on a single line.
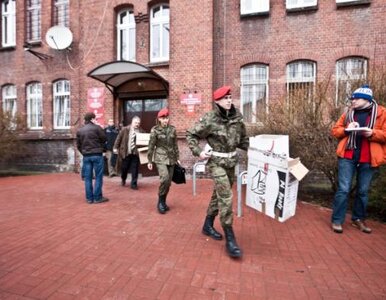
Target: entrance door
[[147, 110]]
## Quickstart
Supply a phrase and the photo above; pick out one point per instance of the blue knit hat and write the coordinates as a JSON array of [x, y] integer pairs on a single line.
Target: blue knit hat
[[364, 92]]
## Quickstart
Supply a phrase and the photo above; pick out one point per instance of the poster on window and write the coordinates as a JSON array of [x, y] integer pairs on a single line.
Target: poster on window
[[96, 104]]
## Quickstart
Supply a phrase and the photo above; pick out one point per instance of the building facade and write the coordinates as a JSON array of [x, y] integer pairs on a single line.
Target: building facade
[[125, 58]]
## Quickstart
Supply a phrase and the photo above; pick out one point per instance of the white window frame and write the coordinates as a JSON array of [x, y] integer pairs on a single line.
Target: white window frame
[[127, 48], [291, 4], [162, 45], [253, 6], [62, 106], [62, 12], [298, 73], [9, 95], [347, 73], [33, 20], [8, 23], [254, 85], [34, 105]]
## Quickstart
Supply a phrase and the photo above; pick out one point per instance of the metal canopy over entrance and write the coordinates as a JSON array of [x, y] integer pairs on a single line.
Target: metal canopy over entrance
[[130, 80]]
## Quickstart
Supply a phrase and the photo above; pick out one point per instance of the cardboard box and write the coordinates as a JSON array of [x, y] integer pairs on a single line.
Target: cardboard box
[[142, 153], [273, 177], [142, 139]]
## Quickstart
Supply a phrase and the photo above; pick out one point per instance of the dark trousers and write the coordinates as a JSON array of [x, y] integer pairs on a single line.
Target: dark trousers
[[130, 163]]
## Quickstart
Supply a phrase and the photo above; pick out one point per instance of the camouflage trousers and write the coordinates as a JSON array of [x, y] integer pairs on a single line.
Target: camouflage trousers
[[165, 173], [221, 201]]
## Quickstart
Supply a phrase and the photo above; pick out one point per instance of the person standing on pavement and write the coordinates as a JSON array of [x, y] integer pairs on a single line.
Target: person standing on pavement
[[360, 152], [90, 140], [163, 151], [111, 135], [125, 146], [224, 130]]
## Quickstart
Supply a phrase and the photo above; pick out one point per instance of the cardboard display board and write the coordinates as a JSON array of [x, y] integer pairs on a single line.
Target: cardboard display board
[[273, 177], [142, 153], [142, 139]]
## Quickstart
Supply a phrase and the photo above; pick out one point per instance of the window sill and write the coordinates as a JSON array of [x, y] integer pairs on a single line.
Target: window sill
[[352, 3], [158, 64], [254, 14], [8, 48], [301, 9]]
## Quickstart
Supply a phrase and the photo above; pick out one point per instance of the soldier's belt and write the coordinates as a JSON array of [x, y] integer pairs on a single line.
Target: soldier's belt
[[224, 154]]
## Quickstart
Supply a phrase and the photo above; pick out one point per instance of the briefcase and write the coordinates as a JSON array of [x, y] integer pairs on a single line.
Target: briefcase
[[179, 174]]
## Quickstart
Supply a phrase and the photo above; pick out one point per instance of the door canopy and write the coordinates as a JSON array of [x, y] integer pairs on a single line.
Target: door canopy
[[130, 80]]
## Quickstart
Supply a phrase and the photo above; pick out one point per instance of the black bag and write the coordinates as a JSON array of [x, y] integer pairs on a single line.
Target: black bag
[[179, 174]]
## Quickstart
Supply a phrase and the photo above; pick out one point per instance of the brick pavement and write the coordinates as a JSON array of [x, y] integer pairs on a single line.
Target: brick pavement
[[53, 245]]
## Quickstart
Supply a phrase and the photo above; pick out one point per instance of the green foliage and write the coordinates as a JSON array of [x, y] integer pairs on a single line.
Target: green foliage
[[10, 128]]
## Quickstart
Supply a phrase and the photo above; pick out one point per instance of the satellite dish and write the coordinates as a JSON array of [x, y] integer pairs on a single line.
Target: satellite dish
[[59, 37]]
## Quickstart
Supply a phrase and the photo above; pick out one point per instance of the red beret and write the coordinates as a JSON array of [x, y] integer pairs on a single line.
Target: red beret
[[221, 92], [163, 113]]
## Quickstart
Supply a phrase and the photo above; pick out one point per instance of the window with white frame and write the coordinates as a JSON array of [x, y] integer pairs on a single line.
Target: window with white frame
[[301, 77], [253, 6], [349, 71], [34, 106], [8, 23], [290, 4], [9, 99], [33, 24], [126, 35], [254, 92], [159, 33], [61, 97], [62, 13]]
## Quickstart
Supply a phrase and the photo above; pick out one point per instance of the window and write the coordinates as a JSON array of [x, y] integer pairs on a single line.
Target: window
[[61, 13], [351, 2], [349, 71], [291, 4], [61, 96], [254, 92], [301, 76], [34, 106], [9, 99], [126, 35], [159, 33], [253, 7], [33, 20], [8, 23]]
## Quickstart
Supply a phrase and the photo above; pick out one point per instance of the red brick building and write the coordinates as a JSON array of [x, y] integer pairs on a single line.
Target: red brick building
[[150, 54]]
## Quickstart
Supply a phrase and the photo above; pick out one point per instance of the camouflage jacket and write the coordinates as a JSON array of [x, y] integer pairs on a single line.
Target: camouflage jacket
[[224, 131], [163, 148]]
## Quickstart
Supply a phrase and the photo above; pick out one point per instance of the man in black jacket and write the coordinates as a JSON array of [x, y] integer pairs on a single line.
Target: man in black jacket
[[90, 140], [111, 135]]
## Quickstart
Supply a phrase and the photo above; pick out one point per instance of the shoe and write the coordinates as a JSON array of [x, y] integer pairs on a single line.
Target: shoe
[[361, 225], [134, 187], [90, 201], [123, 182], [101, 200], [209, 230], [337, 228]]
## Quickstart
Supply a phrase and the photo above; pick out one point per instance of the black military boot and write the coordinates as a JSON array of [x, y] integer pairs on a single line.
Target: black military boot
[[165, 205], [209, 230], [233, 249], [161, 204]]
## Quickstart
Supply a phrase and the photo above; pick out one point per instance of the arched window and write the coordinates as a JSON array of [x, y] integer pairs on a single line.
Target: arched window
[[62, 108], [349, 71], [126, 35], [62, 12], [34, 105], [254, 92], [9, 96], [33, 24], [159, 33], [301, 78], [8, 23]]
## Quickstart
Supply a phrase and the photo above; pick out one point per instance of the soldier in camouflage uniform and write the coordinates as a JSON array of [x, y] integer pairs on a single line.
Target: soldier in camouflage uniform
[[224, 130], [163, 147]]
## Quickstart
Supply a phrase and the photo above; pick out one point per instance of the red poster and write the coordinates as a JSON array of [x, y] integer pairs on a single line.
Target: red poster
[[96, 104]]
